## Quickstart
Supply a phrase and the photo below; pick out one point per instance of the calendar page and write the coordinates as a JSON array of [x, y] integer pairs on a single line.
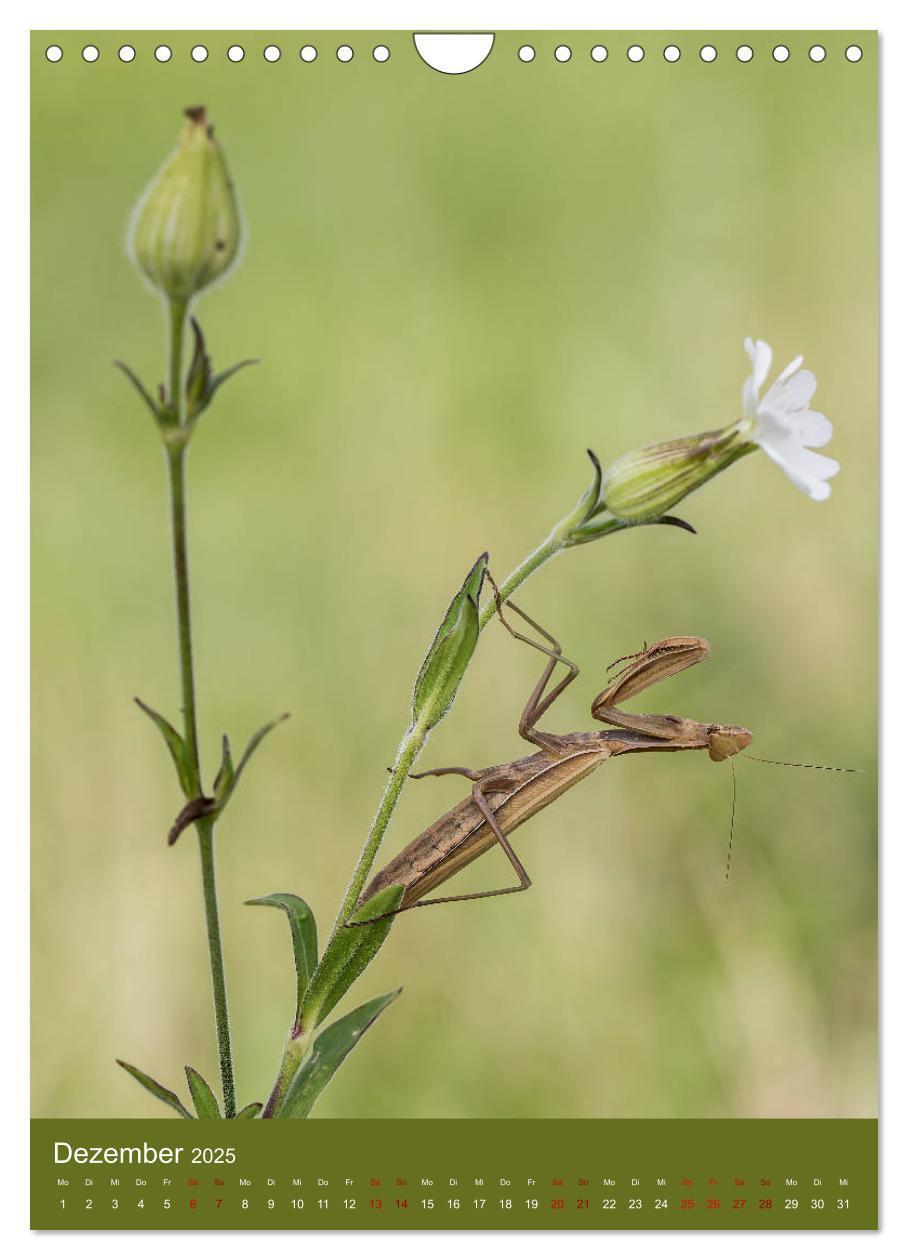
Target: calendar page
[[412, 412]]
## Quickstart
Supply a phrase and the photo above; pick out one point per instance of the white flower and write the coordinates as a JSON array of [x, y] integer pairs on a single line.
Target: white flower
[[782, 423]]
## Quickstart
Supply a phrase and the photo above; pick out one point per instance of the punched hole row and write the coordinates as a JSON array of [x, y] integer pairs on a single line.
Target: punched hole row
[[672, 53], [199, 53], [526, 53]]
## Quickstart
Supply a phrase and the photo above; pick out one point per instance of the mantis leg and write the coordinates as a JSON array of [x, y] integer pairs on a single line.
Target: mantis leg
[[520, 870], [488, 814], [539, 699], [440, 770], [658, 661]]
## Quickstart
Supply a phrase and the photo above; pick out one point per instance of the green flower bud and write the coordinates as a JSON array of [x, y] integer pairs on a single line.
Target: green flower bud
[[645, 483], [186, 230], [447, 659]]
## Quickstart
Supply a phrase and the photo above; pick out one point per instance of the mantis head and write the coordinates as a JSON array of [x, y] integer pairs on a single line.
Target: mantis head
[[726, 741]]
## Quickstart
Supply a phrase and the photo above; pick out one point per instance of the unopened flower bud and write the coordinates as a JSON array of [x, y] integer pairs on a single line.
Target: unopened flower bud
[[186, 230], [646, 483], [447, 659]]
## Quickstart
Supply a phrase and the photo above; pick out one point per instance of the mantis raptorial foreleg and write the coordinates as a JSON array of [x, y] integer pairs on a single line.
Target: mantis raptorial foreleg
[[661, 660]]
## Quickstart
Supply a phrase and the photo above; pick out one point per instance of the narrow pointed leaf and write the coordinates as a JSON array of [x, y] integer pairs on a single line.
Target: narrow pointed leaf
[[203, 1099], [198, 378], [328, 1052], [140, 389], [214, 384], [248, 1112], [303, 933], [226, 774], [175, 744], [677, 521], [253, 744], [349, 952], [221, 378], [601, 526], [160, 1092], [590, 500]]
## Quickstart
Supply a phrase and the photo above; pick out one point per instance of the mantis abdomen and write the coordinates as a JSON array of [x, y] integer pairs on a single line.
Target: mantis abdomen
[[463, 834]]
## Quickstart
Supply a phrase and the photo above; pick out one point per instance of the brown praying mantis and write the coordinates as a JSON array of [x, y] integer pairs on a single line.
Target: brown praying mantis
[[505, 796]]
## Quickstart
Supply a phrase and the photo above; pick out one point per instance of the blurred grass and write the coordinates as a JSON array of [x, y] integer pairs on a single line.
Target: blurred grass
[[455, 285]]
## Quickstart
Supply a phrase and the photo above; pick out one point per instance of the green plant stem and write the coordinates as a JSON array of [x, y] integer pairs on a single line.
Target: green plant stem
[[410, 747], [535, 560], [295, 1049], [176, 312], [176, 464], [205, 830]]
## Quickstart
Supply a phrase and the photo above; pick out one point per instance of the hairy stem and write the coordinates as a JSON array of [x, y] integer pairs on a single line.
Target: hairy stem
[[535, 560], [205, 830], [176, 315], [176, 465], [410, 747], [295, 1049]]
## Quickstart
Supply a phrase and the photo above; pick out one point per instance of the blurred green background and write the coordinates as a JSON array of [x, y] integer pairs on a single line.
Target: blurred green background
[[455, 285]]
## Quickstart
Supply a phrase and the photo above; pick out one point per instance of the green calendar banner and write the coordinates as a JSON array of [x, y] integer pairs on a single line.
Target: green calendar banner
[[428, 429], [484, 1174]]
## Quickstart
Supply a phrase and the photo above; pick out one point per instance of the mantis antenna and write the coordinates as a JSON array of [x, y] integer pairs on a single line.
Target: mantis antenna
[[731, 827], [767, 761], [800, 765]]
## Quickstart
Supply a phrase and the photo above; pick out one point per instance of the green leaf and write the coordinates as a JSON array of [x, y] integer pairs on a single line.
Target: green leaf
[[176, 745], [201, 384], [220, 378], [303, 933], [349, 952], [603, 525], [226, 774], [199, 375], [589, 503], [248, 1112], [158, 412], [328, 1052], [447, 659], [160, 1092], [229, 786], [204, 1101]]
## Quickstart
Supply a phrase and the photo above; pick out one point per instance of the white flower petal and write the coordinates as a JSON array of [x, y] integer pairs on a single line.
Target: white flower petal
[[813, 464], [790, 370], [772, 427], [760, 356], [812, 428], [822, 466], [792, 393], [808, 470], [782, 423]]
